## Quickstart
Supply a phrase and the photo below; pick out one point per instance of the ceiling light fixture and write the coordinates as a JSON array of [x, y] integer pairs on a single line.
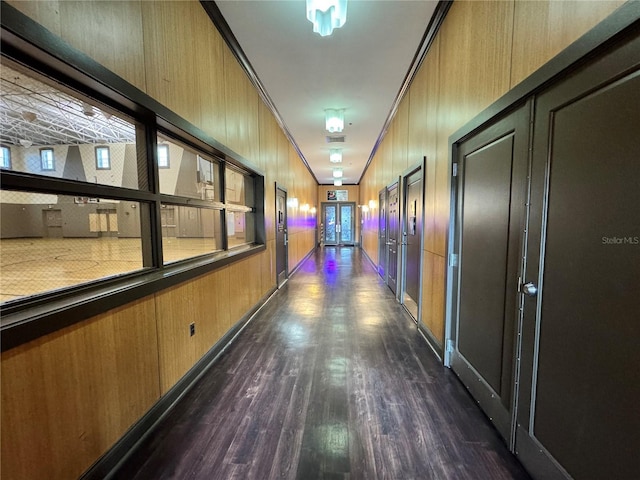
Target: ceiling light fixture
[[334, 120], [26, 143], [326, 15], [29, 116], [87, 109], [337, 173], [335, 155], [337, 183]]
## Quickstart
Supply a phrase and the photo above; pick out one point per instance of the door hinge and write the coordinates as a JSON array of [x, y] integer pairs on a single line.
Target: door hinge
[[450, 345], [454, 172], [453, 260]]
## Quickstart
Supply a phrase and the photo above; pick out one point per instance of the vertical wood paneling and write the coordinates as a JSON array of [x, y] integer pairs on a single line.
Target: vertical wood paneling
[[474, 66], [433, 294], [544, 29], [171, 59], [423, 119], [67, 397], [210, 81], [204, 301], [400, 139], [241, 115], [109, 32], [269, 131], [175, 311], [46, 14], [269, 267]]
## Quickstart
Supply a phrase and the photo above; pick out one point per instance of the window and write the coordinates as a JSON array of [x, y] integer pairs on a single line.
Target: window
[[47, 161], [76, 240], [74, 136], [5, 157], [103, 158], [92, 228], [189, 231], [163, 156], [239, 203], [191, 174]]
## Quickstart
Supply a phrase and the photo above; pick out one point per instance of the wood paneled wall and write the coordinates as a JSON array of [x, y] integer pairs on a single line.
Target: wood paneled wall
[[482, 50], [67, 397]]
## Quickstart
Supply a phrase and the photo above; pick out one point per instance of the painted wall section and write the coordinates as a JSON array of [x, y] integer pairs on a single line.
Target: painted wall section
[[67, 397], [482, 50]]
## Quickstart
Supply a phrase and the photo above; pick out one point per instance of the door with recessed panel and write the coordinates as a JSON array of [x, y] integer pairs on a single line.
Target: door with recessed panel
[[579, 399], [412, 241], [393, 234], [382, 234], [490, 227], [281, 237]]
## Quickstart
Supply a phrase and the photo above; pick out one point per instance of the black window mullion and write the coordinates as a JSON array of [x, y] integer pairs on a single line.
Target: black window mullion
[[223, 199], [154, 236], [11, 180]]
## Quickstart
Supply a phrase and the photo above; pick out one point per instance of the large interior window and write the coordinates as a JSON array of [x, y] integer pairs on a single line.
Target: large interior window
[[189, 230], [87, 212]]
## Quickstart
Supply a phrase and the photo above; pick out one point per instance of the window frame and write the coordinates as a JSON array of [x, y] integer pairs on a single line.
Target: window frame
[[6, 157], [44, 168], [108, 150], [31, 317], [164, 147]]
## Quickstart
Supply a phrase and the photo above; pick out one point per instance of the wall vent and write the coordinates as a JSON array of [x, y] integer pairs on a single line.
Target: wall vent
[[336, 139]]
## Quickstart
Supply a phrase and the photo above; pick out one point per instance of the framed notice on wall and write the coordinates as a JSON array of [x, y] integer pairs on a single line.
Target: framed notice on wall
[[338, 195]]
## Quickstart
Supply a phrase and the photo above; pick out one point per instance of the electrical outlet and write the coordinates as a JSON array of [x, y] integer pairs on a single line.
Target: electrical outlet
[[192, 329]]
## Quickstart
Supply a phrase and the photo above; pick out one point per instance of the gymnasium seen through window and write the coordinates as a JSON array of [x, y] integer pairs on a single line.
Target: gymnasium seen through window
[[77, 205]]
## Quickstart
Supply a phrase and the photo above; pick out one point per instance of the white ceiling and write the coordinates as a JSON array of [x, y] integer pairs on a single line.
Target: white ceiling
[[360, 67]]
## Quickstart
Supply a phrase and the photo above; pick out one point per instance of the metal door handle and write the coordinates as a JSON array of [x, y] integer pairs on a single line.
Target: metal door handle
[[529, 289]]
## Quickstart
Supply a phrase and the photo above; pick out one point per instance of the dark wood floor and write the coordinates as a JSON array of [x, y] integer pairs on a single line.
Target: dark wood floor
[[331, 380]]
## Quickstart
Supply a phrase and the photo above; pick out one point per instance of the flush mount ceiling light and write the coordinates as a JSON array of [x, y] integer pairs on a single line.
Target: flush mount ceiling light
[[337, 183], [87, 109], [326, 15], [334, 120], [337, 173], [29, 116], [335, 155]]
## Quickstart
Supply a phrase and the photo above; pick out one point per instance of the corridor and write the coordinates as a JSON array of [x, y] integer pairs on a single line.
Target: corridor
[[331, 380]]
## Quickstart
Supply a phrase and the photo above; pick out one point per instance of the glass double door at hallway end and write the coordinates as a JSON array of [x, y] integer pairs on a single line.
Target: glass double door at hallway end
[[338, 223]]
